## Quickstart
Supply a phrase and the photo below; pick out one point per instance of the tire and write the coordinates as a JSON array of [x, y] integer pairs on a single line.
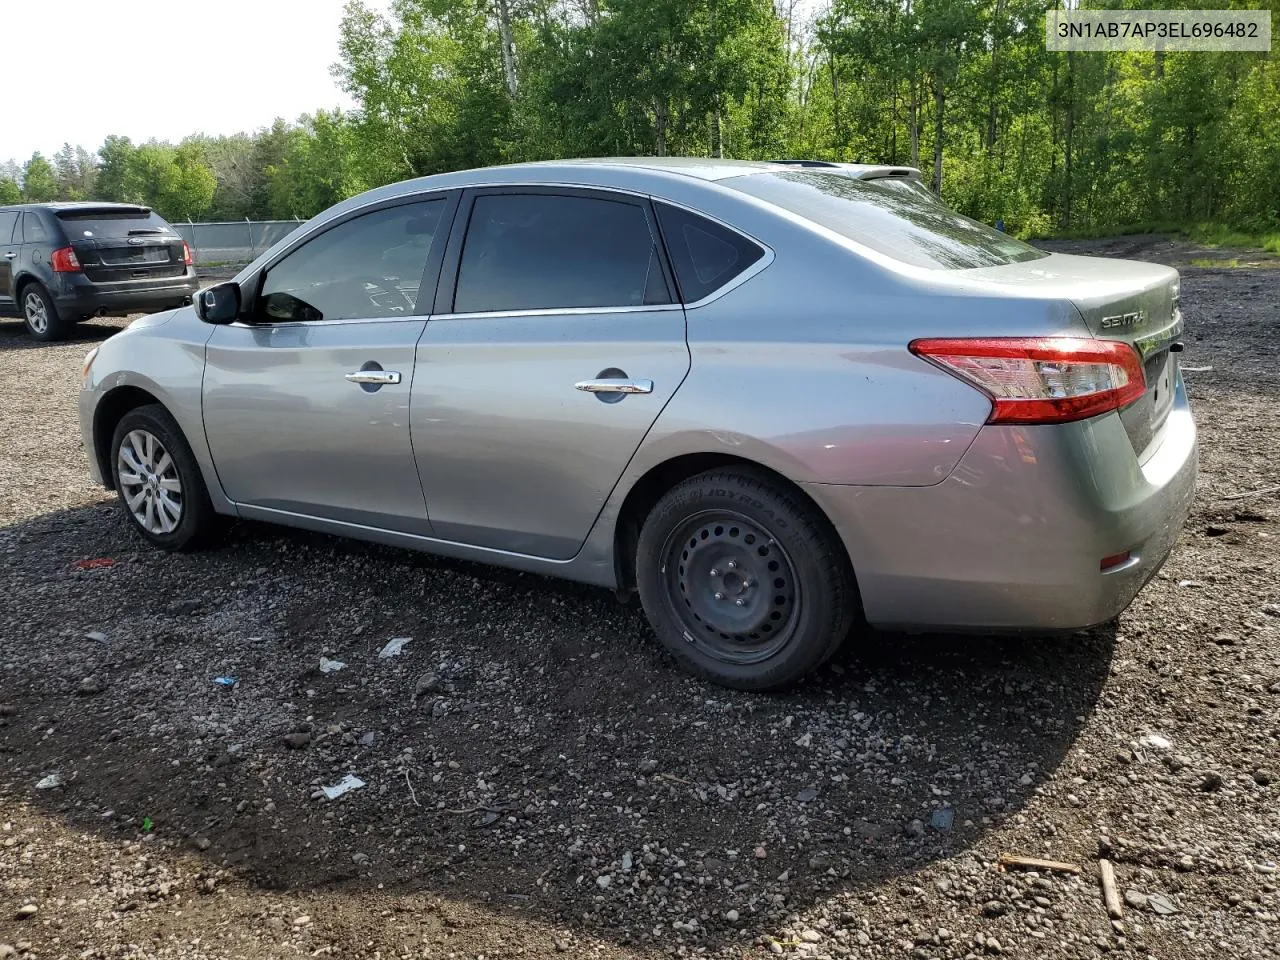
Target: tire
[[162, 491], [743, 580], [41, 316]]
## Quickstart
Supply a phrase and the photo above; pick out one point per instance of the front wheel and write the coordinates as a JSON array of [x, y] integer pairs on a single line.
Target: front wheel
[[743, 580], [159, 481]]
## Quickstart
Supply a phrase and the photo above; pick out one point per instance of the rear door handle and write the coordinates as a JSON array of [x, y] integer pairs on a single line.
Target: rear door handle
[[380, 377], [615, 385], [11, 255]]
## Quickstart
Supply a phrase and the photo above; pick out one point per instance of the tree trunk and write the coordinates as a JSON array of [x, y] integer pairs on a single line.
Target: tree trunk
[[717, 141], [507, 44], [1068, 132], [994, 89], [913, 119], [835, 104], [660, 119], [939, 112]]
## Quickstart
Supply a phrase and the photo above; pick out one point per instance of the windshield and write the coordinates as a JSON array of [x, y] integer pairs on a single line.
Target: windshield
[[902, 224]]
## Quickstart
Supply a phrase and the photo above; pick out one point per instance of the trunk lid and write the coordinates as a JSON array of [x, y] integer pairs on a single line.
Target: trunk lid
[[1125, 300]]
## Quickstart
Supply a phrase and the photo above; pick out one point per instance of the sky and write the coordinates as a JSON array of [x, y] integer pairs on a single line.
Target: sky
[[77, 70]]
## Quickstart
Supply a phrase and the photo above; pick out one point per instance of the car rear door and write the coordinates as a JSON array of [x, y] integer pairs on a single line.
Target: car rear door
[[8, 256], [306, 408], [556, 342]]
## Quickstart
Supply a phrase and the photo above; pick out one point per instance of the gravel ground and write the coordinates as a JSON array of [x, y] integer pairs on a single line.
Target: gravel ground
[[540, 781]]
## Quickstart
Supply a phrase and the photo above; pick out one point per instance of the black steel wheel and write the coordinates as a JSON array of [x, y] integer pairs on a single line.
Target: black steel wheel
[[744, 580], [736, 584]]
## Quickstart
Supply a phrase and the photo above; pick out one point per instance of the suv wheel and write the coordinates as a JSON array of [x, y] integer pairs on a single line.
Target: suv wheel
[[743, 580], [159, 482], [41, 316]]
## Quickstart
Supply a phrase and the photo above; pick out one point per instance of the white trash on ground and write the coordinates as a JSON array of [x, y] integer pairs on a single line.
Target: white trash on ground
[[330, 666], [345, 785], [393, 647]]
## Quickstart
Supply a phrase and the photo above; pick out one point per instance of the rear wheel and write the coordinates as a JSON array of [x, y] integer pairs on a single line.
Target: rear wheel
[[743, 580], [159, 482], [41, 314]]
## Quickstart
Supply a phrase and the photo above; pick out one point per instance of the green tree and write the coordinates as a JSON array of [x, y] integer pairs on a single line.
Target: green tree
[[115, 156], [10, 192], [39, 182]]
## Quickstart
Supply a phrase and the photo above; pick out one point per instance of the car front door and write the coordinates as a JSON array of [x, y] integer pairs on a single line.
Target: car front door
[[556, 342], [306, 406], [10, 238]]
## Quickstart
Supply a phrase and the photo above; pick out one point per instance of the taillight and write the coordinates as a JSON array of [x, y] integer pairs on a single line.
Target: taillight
[[1042, 379], [186, 254], [64, 260]]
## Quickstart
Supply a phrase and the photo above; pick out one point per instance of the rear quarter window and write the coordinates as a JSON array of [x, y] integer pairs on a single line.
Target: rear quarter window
[[113, 224], [33, 230], [704, 255], [901, 224]]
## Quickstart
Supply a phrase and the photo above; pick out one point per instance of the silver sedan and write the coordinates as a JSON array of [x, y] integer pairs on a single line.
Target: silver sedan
[[774, 402]]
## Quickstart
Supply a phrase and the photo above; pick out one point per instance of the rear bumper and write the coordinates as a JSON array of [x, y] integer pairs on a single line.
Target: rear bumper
[[1013, 539], [78, 296]]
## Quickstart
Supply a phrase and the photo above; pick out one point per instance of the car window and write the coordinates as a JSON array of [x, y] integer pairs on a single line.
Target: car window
[[7, 222], [555, 251], [367, 267], [113, 223], [33, 230], [904, 225], [704, 255]]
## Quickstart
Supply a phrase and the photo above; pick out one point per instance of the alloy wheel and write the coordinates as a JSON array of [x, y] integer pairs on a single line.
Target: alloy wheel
[[36, 313], [149, 482], [732, 585]]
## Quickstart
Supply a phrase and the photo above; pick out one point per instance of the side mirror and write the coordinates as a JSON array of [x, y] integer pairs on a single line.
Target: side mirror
[[219, 304]]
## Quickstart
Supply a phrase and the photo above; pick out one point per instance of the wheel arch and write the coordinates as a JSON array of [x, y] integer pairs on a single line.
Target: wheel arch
[[20, 284], [110, 410], [661, 477]]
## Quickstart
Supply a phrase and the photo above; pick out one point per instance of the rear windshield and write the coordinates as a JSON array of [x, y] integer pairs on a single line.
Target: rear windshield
[[105, 222], [901, 224]]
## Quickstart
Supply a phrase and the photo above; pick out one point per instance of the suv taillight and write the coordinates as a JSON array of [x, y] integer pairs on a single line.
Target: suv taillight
[[64, 260], [186, 254], [1042, 379]]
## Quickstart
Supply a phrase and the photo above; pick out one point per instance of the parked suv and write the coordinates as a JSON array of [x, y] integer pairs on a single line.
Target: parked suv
[[61, 263]]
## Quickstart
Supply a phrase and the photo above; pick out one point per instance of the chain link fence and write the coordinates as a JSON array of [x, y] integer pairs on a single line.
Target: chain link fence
[[232, 243]]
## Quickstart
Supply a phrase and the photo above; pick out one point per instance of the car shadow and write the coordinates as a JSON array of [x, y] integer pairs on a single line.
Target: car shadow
[[530, 751], [14, 335]]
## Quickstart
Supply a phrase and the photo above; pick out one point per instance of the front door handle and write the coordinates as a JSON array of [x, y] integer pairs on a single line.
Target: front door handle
[[615, 385], [380, 377]]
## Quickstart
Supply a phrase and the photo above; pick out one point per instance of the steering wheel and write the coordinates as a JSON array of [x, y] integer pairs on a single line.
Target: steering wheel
[[385, 286]]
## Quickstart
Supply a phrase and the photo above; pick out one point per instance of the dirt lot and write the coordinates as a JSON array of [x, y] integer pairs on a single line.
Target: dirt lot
[[540, 781]]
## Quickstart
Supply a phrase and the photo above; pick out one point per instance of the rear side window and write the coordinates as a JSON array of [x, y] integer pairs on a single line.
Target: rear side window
[[901, 224], [113, 223], [555, 251], [7, 223], [704, 255], [33, 230]]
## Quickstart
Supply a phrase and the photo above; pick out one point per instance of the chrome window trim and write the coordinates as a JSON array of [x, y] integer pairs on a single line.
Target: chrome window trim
[[556, 312], [737, 281]]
